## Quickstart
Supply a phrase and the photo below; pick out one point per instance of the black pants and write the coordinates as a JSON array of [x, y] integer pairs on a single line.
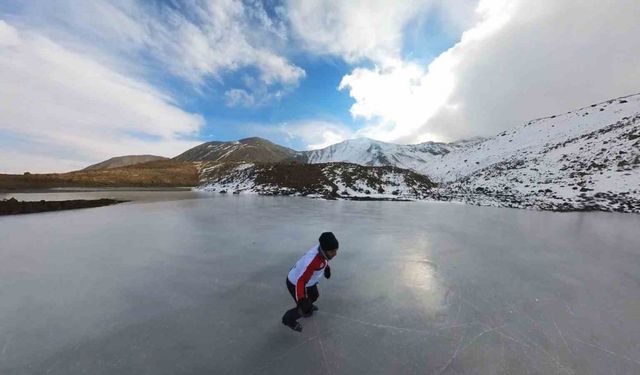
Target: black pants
[[292, 315]]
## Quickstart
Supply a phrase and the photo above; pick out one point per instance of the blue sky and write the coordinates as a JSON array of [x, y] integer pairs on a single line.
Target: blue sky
[[316, 96], [84, 81]]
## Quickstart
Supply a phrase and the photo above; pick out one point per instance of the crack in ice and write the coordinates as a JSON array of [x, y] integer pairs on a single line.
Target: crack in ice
[[606, 350], [404, 329], [4, 347], [562, 336], [324, 355]]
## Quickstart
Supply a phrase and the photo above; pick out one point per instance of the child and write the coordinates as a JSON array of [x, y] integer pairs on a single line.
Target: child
[[304, 276]]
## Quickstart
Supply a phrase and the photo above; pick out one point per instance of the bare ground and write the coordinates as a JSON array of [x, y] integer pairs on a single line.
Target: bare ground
[[164, 173]]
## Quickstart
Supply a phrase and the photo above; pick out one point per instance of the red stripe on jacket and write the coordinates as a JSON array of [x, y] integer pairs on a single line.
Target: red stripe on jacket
[[317, 262]]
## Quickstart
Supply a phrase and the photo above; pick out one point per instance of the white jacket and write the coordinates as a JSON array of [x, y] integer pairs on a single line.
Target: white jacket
[[307, 271]]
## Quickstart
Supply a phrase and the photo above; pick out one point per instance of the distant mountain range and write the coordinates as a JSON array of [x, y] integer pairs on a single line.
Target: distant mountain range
[[362, 151], [585, 159]]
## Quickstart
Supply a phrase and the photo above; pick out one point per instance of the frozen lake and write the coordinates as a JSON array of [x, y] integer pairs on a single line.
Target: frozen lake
[[192, 283]]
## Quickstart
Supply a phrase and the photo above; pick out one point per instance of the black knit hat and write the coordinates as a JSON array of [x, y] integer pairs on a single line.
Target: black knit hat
[[328, 241]]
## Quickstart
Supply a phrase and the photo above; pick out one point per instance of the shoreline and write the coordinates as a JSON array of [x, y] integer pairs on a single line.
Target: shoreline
[[14, 207], [92, 189]]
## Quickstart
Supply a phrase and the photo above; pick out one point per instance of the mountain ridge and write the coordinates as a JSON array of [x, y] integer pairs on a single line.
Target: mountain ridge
[[584, 159], [246, 149]]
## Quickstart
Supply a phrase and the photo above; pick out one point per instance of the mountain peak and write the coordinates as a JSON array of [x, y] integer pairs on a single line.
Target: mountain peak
[[252, 149], [250, 140], [363, 140]]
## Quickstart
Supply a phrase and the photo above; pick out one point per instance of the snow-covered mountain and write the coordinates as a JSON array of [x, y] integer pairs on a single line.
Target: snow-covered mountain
[[587, 158], [365, 151]]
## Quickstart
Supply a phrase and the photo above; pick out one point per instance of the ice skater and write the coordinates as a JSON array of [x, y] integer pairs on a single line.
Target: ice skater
[[303, 279]]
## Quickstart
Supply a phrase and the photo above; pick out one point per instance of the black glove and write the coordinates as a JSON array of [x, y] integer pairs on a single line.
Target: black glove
[[305, 305], [327, 272]]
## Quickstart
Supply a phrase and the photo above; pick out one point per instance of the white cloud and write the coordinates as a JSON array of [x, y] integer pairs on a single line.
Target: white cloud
[[456, 15], [520, 60], [239, 98], [354, 30], [219, 40], [196, 40], [276, 69], [83, 110], [255, 96], [9, 36], [399, 98]]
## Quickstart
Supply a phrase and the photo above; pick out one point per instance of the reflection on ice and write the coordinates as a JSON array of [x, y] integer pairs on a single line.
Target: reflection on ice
[[422, 283]]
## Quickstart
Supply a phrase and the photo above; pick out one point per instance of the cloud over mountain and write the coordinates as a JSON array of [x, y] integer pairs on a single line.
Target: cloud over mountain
[[519, 60], [93, 79]]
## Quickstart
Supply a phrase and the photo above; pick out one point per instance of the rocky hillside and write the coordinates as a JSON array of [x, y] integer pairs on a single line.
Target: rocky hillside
[[249, 149], [330, 180], [124, 161]]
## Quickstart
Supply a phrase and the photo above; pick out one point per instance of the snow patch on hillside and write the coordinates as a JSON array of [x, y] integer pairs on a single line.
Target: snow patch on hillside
[[365, 151], [332, 180]]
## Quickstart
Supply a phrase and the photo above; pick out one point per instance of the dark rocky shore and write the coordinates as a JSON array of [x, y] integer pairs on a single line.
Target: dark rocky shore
[[14, 207]]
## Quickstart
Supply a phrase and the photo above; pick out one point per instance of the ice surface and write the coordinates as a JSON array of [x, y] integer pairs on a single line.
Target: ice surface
[[195, 286]]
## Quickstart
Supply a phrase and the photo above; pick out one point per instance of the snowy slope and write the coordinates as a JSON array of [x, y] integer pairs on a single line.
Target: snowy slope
[[596, 170], [532, 138], [329, 180], [588, 158], [446, 162]]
